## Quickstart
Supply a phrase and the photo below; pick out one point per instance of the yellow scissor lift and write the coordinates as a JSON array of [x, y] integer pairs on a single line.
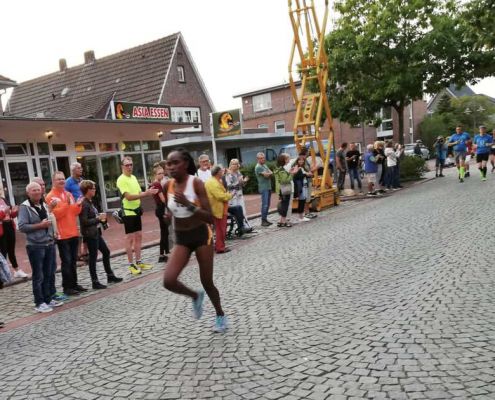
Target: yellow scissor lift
[[310, 105]]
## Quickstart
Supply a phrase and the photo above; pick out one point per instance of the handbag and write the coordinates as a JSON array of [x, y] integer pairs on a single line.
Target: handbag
[[285, 189]]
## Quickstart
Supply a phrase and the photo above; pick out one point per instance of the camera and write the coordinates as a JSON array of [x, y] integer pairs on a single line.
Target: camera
[[104, 225]]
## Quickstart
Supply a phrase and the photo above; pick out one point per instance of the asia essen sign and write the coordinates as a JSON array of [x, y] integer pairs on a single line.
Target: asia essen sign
[[140, 111]]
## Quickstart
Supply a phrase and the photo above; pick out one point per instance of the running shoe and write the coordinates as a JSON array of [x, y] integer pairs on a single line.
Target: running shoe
[[60, 297], [134, 270], [198, 304], [221, 324], [55, 303], [143, 266], [43, 308], [20, 274], [483, 179]]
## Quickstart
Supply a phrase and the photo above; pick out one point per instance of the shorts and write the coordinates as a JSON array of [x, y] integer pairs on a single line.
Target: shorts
[[482, 157], [370, 177], [132, 223], [439, 162], [194, 238], [459, 156]]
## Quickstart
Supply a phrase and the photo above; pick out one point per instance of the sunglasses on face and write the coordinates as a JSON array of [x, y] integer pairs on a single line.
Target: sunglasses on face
[[127, 165]]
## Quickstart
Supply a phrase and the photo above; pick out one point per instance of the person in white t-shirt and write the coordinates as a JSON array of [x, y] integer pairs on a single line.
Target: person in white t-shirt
[[204, 172]]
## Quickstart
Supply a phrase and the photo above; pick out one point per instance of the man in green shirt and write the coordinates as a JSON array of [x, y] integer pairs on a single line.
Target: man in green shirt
[[131, 195], [264, 177]]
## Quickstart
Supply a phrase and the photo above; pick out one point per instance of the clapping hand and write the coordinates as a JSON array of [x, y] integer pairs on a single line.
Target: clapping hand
[[180, 198]]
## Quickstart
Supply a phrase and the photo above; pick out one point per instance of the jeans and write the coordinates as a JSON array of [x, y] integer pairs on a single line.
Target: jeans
[[95, 244], [265, 203], [354, 175], [42, 259], [341, 179], [236, 211], [392, 177], [68, 255]]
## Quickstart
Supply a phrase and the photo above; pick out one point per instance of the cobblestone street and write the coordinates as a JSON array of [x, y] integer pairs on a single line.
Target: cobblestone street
[[382, 298]]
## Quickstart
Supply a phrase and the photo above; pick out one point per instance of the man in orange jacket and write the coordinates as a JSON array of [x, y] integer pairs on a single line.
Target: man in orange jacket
[[66, 209]]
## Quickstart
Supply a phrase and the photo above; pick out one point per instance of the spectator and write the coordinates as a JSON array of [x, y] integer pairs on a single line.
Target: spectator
[[301, 178], [66, 210], [341, 165], [310, 168], [381, 160], [264, 177], [91, 223], [219, 201], [7, 233], [417, 148], [283, 186], [35, 221], [440, 148], [235, 182], [163, 221], [204, 172], [72, 186], [392, 177], [131, 196], [353, 158], [53, 289], [370, 169]]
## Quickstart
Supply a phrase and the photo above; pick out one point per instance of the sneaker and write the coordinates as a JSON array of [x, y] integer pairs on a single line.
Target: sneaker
[[55, 303], [60, 297], [483, 179], [310, 215], [461, 180], [43, 308], [134, 270], [441, 175], [198, 305], [143, 266], [71, 292], [265, 223], [79, 288], [162, 258], [20, 274], [221, 324], [304, 219]]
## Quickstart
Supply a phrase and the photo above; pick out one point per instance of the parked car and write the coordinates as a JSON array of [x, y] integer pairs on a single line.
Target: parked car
[[409, 150]]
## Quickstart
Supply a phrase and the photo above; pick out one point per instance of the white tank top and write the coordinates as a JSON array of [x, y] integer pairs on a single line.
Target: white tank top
[[178, 210]]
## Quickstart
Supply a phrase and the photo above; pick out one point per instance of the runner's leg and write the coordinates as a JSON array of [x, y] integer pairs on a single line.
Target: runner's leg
[[204, 255]]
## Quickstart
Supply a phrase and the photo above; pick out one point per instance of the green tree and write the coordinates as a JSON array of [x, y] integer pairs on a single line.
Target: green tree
[[389, 53], [444, 105]]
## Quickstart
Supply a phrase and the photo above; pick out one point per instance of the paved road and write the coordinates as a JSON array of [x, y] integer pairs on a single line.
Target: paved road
[[388, 298]]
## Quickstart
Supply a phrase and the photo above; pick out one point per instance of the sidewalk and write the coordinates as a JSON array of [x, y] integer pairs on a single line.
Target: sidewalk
[[114, 235]]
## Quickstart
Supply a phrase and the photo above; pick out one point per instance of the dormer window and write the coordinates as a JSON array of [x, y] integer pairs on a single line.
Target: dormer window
[[180, 72]]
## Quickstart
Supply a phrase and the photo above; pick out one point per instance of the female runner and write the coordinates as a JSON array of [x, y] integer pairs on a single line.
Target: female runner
[[188, 203]]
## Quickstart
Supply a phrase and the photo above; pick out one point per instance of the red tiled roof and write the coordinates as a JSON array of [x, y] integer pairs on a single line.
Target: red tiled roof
[[135, 74]]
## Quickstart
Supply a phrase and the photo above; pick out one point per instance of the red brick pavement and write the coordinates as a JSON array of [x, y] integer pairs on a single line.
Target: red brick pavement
[[114, 236]]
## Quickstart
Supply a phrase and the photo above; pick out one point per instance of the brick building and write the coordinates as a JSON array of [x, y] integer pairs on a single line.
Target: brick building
[[273, 109]]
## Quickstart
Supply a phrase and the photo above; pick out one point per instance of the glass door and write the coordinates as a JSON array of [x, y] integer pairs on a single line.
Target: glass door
[[109, 172], [90, 171], [21, 173]]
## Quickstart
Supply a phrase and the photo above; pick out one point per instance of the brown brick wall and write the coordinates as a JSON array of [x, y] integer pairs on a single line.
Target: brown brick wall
[[188, 93]]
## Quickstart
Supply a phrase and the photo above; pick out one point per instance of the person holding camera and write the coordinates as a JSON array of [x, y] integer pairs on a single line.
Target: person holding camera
[[131, 194], [91, 223], [353, 161], [441, 152]]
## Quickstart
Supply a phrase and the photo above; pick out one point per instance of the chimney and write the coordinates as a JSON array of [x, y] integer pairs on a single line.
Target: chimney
[[89, 57], [62, 64]]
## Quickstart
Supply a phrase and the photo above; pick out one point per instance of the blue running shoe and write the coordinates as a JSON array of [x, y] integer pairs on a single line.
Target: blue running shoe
[[221, 324], [60, 297], [198, 305]]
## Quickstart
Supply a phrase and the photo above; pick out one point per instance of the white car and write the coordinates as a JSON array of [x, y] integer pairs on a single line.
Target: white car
[[409, 150]]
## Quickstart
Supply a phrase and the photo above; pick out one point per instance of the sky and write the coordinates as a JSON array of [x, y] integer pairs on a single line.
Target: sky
[[237, 46]]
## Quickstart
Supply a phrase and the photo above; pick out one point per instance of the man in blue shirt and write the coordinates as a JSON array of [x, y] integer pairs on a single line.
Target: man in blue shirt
[[458, 141], [72, 183], [483, 144]]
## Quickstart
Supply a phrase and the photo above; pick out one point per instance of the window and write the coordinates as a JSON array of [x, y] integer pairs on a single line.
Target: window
[[262, 102], [16, 149], [108, 147], [180, 72], [43, 149], [186, 114], [59, 147], [263, 126], [85, 146], [151, 145], [131, 146], [279, 126]]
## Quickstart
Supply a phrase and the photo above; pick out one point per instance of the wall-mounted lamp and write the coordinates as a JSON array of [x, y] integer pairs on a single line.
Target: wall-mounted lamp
[[49, 134], [159, 134]]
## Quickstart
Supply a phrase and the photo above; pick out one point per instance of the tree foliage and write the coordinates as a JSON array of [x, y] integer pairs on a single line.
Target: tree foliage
[[391, 52]]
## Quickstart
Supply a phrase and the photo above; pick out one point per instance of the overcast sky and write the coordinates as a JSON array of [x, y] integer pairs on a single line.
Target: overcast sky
[[237, 45]]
